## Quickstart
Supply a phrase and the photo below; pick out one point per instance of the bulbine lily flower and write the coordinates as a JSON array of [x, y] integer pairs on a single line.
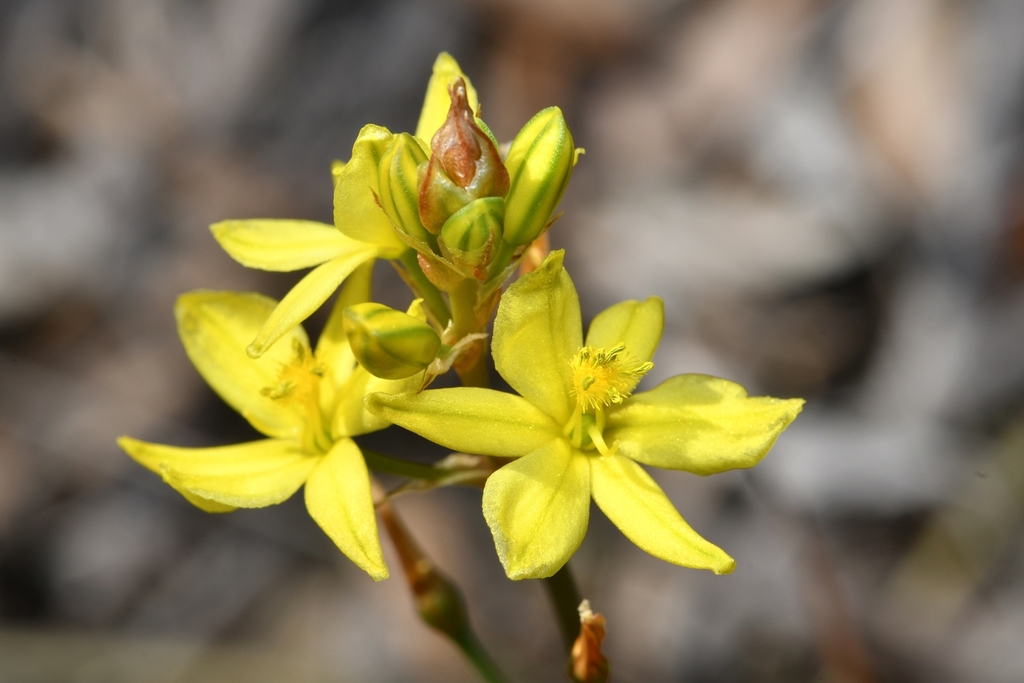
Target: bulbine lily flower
[[578, 432], [361, 231], [309, 405]]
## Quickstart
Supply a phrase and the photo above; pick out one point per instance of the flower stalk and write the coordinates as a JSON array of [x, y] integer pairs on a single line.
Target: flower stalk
[[438, 600]]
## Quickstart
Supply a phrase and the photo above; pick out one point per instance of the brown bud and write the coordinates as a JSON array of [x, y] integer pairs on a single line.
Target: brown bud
[[464, 164], [587, 664]]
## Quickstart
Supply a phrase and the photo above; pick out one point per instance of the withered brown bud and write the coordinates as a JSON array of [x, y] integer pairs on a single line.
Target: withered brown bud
[[587, 664], [464, 164]]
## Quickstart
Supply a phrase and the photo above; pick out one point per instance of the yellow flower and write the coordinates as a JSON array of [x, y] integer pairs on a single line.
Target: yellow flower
[[579, 433], [361, 232], [309, 404]]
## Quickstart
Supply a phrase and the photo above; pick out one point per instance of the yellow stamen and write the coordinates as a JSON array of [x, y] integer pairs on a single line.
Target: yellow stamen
[[598, 439], [602, 377], [299, 383]]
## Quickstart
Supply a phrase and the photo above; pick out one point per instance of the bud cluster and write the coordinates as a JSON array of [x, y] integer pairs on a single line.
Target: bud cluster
[[465, 210]]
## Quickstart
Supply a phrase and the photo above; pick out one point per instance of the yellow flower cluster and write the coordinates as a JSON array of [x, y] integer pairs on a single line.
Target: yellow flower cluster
[[457, 217]]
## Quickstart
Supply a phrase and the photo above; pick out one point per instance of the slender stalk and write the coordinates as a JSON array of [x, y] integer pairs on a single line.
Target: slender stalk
[[478, 656], [437, 598], [425, 288], [465, 321], [402, 468], [502, 258], [565, 598]]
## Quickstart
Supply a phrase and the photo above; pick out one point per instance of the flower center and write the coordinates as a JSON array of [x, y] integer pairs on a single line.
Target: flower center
[[602, 377], [298, 385]]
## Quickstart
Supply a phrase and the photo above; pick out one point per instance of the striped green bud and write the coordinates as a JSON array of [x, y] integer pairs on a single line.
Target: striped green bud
[[399, 192], [469, 239], [388, 343], [539, 164]]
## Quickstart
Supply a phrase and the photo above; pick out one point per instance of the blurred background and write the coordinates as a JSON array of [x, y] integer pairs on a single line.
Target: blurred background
[[828, 195]]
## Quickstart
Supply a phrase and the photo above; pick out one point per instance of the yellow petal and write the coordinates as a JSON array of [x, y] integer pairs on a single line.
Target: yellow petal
[[536, 333], [332, 349], [356, 212], [437, 102], [246, 475], [642, 511], [351, 417], [214, 328], [339, 500], [205, 505], [481, 421], [307, 296], [700, 424], [538, 508], [281, 245], [636, 324]]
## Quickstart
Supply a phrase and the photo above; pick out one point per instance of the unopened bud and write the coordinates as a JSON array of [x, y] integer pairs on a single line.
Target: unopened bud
[[388, 343], [539, 164], [399, 193], [587, 664], [470, 237], [464, 164]]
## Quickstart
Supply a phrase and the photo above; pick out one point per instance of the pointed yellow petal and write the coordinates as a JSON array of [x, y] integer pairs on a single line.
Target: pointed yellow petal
[[214, 328], [536, 333], [356, 212], [636, 324], [642, 511], [538, 508], [281, 245], [332, 349], [246, 475], [437, 102], [307, 296], [351, 418], [481, 421], [339, 500], [700, 424]]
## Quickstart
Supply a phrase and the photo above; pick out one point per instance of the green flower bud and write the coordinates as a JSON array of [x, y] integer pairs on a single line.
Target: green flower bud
[[464, 164], [469, 239], [539, 164], [388, 343], [399, 193]]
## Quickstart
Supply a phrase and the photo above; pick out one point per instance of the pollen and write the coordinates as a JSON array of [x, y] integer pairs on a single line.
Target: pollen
[[602, 377], [299, 379]]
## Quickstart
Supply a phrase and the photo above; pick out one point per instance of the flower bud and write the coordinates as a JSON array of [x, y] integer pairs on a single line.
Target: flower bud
[[470, 237], [399, 194], [539, 164], [587, 664], [388, 343], [464, 164]]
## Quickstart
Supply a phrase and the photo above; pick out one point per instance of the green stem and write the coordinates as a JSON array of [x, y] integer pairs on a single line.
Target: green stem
[[565, 598], [425, 288], [479, 658], [402, 468], [502, 258], [438, 600], [465, 321], [463, 299]]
